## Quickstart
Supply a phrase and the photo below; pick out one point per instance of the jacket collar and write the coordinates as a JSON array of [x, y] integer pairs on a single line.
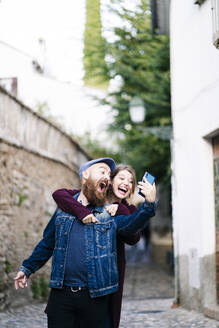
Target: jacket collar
[[98, 209]]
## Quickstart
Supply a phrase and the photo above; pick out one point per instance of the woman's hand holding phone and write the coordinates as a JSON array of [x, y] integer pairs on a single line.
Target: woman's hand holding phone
[[147, 189]]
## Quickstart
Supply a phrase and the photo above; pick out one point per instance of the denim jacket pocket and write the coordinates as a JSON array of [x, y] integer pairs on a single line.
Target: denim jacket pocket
[[60, 219], [102, 232]]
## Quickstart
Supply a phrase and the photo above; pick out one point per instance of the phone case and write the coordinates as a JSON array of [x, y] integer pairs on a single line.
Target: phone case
[[150, 178]]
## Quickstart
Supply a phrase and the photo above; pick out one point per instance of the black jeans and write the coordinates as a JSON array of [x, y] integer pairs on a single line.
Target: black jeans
[[70, 310]]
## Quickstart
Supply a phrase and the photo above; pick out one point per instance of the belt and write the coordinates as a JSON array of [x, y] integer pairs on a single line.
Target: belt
[[75, 289]]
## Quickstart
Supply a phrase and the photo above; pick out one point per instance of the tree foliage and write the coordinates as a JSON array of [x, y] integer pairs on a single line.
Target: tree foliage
[[96, 149], [94, 47], [141, 62]]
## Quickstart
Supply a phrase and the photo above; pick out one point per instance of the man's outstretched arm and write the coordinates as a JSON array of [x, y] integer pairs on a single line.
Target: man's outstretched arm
[[41, 254], [139, 219], [136, 222]]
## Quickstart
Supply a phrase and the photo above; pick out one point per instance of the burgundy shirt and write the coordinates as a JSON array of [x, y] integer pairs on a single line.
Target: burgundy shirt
[[64, 199]]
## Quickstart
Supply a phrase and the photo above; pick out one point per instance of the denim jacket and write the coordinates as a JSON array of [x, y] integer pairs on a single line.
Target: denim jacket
[[100, 240]]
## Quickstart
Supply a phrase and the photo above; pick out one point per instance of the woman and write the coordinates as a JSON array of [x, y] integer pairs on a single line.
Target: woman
[[123, 182]]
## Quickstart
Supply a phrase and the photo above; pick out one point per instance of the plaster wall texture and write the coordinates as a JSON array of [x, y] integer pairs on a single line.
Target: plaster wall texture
[[195, 114]]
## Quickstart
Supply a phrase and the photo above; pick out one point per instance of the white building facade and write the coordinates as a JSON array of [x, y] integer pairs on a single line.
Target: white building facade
[[34, 84], [195, 152], [41, 55]]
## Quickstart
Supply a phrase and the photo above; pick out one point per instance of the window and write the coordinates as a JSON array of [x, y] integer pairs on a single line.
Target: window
[[215, 20], [9, 84], [160, 10], [199, 2]]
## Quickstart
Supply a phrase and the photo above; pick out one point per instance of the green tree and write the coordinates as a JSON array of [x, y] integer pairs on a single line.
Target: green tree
[[94, 47], [96, 149], [141, 61]]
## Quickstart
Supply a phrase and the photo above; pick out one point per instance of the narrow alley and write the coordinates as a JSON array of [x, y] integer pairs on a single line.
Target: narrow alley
[[148, 297]]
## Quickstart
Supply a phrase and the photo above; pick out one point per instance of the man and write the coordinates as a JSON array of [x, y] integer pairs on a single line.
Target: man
[[84, 260]]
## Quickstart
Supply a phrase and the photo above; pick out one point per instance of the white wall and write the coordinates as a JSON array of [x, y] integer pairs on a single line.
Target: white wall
[[62, 30], [71, 103], [195, 113]]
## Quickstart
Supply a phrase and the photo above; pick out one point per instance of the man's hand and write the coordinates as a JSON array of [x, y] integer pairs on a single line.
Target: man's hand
[[112, 209], [90, 218], [148, 190], [20, 280]]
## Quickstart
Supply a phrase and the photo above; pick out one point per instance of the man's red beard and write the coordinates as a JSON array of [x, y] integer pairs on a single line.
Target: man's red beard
[[95, 192]]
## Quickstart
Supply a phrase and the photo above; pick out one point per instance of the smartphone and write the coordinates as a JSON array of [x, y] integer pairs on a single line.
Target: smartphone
[[150, 178]]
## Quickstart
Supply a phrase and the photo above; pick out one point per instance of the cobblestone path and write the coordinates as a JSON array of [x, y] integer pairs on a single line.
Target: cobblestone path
[[149, 313], [148, 296]]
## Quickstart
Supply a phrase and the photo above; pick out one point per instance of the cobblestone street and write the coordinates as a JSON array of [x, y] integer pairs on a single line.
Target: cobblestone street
[[148, 296]]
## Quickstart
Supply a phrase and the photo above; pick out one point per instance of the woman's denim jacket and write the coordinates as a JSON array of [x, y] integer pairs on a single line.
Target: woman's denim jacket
[[100, 239]]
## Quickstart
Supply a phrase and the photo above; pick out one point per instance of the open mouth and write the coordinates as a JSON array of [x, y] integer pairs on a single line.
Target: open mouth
[[123, 190], [102, 186]]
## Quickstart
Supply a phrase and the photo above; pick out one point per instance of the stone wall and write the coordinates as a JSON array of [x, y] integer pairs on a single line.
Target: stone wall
[[35, 159]]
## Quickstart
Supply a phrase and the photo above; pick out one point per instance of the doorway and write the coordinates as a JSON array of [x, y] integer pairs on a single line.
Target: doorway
[[216, 186]]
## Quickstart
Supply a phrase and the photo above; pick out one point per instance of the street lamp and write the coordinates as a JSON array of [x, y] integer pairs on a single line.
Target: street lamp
[[137, 110]]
